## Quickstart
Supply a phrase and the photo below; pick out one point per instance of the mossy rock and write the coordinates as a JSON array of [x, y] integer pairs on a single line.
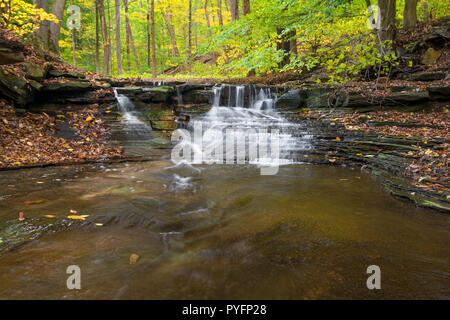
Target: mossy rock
[[75, 75], [156, 94], [34, 71], [67, 87], [15, 88], [129, 91], [164, 125], [159, 115], [10, 56]]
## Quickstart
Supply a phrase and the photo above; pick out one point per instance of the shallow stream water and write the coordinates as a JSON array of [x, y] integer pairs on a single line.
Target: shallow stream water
[[217, 231]]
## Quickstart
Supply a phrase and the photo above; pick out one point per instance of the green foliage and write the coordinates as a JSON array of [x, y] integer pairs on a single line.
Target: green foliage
[[331, 35], [22, 17]]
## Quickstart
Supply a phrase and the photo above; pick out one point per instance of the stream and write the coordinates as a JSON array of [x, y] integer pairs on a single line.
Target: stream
[[206, 230]]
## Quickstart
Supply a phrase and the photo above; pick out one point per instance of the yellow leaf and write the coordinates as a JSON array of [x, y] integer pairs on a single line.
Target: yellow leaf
[[338, 139], [89, 118], [134, 258], [27, 203], [76, 217], [50, 216]]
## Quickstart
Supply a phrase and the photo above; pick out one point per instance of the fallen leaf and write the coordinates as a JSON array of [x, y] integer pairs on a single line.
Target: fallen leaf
[[27, 203], [134, 258], [76, 217], [73, 211], [50, 216]]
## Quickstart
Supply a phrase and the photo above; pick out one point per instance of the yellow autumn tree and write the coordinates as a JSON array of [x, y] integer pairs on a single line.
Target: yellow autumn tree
[[22, 17]]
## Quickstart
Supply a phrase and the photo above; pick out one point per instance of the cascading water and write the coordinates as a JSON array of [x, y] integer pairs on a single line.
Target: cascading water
[[133, 127], [244, 115]]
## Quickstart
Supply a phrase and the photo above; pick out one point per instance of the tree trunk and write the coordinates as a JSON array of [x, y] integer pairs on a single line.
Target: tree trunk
[[106, 40], [425, 8], [55, 28], [245, 11], [168, 20], [153, 40], [111, 64], [97, 44], [44, 29], [410, 14], [130, 40], [245, 7], [148, 36], [234, 8], [387, 25], [288, 44], [190, 37], [118, 47], [208, 24], [74, 57], [219, 12]]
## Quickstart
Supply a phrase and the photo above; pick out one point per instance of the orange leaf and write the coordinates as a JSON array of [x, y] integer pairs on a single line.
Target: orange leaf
[[27, 203]]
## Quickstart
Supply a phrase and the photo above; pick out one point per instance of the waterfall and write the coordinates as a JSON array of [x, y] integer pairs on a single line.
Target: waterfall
[[179, 96], [244, 97], [132, 125], [264, 100], [217, 94], [244, 117], [240, 96]]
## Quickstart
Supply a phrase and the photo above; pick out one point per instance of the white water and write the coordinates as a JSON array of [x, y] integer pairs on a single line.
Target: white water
[[249, 120], [132, 125]]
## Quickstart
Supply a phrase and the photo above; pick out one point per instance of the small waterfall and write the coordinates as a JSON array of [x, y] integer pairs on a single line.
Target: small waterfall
[[264, 100], [242, 96], [132, 125], [244, 115], [158, 83], [179, 96], [217, 94]]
